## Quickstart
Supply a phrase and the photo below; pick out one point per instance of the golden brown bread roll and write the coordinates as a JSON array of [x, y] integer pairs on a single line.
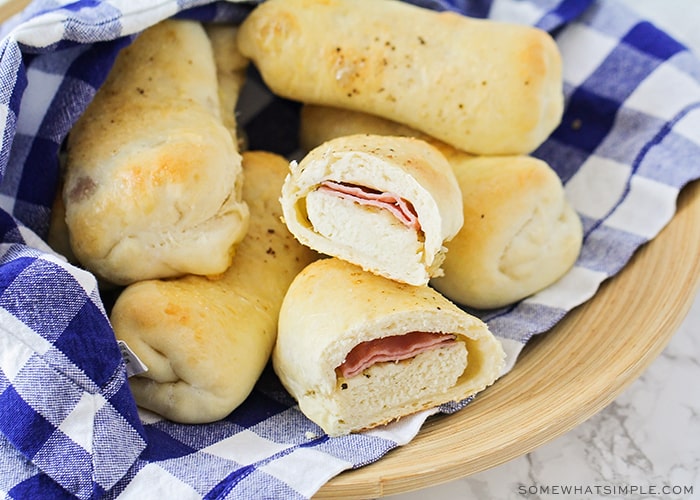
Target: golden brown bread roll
[[206, 341], [358, 350], [520, 232], [153, 177], [482, 86]]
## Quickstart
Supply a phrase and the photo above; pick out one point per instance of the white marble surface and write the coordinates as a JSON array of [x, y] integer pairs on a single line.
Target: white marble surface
[[648, 439]]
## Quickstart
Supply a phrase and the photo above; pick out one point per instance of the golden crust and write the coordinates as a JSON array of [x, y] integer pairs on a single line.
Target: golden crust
[[520, 232], [152, 186], [482, 86]]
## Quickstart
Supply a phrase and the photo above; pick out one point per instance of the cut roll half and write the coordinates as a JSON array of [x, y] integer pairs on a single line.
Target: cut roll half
[[358, 350], [387, 204]]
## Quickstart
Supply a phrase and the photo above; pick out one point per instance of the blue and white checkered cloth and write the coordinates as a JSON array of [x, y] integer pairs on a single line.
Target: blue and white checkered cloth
[[628, 142]]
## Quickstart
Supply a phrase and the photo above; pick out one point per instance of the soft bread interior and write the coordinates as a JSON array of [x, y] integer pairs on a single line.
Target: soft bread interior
[[384, 390], [385, 241]]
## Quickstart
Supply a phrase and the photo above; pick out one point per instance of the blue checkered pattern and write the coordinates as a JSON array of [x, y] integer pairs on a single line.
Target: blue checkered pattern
[[69, 428]]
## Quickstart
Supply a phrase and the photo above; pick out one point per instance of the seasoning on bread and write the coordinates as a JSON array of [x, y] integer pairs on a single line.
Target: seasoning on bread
[[482, 86]]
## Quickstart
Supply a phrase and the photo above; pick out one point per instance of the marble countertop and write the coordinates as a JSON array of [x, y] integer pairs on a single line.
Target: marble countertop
[[646, 443]]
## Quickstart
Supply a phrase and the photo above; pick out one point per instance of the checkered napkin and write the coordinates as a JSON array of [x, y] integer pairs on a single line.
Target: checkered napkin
[[628, 142]]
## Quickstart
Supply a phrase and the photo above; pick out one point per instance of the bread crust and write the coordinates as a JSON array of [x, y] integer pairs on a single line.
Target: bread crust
[[520, 234], [482, 86], [231, 67]]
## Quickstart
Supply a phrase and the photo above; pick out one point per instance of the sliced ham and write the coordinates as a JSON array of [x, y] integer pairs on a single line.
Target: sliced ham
[[399, 207], [393, 348]]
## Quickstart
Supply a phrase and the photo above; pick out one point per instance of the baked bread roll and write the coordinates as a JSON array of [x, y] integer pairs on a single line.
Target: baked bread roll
[[206, 341], [520, 233], [385, 203], [153, 177], [358, 350], [483, 86], [57, 235]]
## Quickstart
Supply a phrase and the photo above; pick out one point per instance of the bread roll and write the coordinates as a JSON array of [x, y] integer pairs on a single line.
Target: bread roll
[[385, 203], [520, 232], [482, 86], [389, 351], [153, 177], [206, 341], [57, 236]]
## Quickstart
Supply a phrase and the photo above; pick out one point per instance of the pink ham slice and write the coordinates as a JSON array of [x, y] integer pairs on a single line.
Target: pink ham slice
[[399, 207], [393, 348]]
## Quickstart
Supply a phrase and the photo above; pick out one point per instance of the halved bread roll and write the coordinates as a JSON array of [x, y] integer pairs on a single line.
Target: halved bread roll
[[387, 204], [482, 86], [520, 233], [358, 350], [153, 176], [206, 341]]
